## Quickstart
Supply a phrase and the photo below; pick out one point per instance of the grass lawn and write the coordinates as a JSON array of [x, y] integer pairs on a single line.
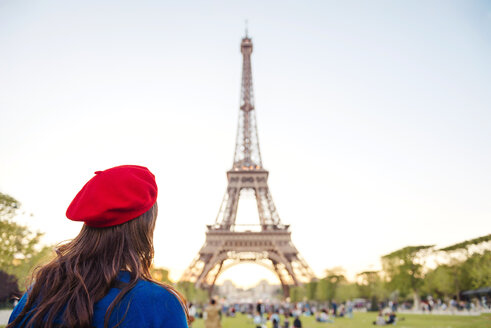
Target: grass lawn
[[365, 320]]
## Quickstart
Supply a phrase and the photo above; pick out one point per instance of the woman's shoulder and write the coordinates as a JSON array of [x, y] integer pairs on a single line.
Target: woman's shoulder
[[150, 296], [148, 304], [147, 291]]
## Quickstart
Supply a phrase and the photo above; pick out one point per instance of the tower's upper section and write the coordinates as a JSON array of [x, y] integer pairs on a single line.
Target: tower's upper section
[[247, 154], [246, 46]]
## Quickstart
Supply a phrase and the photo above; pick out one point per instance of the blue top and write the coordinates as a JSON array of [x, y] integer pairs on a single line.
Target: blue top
[[151, 306]]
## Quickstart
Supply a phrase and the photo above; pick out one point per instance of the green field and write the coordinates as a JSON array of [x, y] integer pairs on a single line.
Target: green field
[[365, 320]]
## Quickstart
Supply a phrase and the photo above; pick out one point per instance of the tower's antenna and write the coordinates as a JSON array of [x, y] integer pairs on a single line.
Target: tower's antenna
[[246, 28]]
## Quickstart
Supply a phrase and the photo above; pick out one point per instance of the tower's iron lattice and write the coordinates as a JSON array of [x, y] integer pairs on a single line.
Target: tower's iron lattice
[[225, 244]]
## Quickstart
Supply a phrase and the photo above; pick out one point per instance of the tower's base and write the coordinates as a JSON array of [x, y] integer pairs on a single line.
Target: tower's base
[[272, 249]]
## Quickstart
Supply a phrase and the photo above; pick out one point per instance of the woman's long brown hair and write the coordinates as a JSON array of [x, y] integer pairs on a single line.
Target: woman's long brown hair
[[84, 271]]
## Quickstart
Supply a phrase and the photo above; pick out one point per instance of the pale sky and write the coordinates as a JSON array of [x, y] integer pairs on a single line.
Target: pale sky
[[374, 117]]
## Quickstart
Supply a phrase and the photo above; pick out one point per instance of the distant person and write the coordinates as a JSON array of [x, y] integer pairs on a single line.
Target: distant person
[[286, 322], [349, 309], [380, 321], [213, 315], [391, 319], [342, 310], [275, 319], [101, 278], [259, 308], [258, 319], [334, 306], [192, 314], [297, 323], [323, 316]]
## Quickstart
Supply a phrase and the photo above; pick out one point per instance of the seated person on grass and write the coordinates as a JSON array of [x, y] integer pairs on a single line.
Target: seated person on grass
[[380, 320], [392, 318]]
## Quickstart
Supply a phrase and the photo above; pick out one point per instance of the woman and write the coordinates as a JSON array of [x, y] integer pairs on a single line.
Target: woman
[[101, 278]]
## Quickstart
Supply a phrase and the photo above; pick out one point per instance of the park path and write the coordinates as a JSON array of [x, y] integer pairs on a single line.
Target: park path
[[4, 316]]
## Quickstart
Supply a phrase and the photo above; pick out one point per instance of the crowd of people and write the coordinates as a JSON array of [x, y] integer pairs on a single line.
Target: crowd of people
[[287, 315], [429, 305], [273, 315]]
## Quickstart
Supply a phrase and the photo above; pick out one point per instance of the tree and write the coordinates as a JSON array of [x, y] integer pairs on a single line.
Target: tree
[[19, 246], [327, 286], [404, 270], [456, 255], [310, 290], [192, 294], [8, 207], [322, 290], [346, 291], [8, 288], [372, 287], [477, 269], [297, 293], [440, 282], [335, 277], [468, 244], [450, 280], [160, 274]]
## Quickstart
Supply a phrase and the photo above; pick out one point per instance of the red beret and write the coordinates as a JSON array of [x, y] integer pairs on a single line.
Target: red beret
[[114, 196]]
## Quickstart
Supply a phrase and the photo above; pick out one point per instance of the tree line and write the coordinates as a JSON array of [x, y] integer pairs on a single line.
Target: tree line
[[408, 274]]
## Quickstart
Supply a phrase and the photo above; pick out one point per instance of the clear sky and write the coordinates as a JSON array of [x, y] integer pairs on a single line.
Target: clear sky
[[374, 116]]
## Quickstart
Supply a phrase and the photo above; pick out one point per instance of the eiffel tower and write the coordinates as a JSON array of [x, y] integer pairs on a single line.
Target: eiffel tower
[[269, 244]]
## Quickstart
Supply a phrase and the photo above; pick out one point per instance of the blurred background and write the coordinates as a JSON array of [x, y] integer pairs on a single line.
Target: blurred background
[[374, 121]]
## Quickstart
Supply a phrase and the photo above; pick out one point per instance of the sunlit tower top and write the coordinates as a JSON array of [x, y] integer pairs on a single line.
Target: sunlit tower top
[[247, 153]]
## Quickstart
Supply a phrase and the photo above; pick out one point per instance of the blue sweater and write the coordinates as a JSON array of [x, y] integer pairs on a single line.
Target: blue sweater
[[151, 306]]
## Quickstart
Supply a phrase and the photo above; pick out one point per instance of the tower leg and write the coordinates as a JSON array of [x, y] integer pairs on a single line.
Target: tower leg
[[286, 291], [212, 285]]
